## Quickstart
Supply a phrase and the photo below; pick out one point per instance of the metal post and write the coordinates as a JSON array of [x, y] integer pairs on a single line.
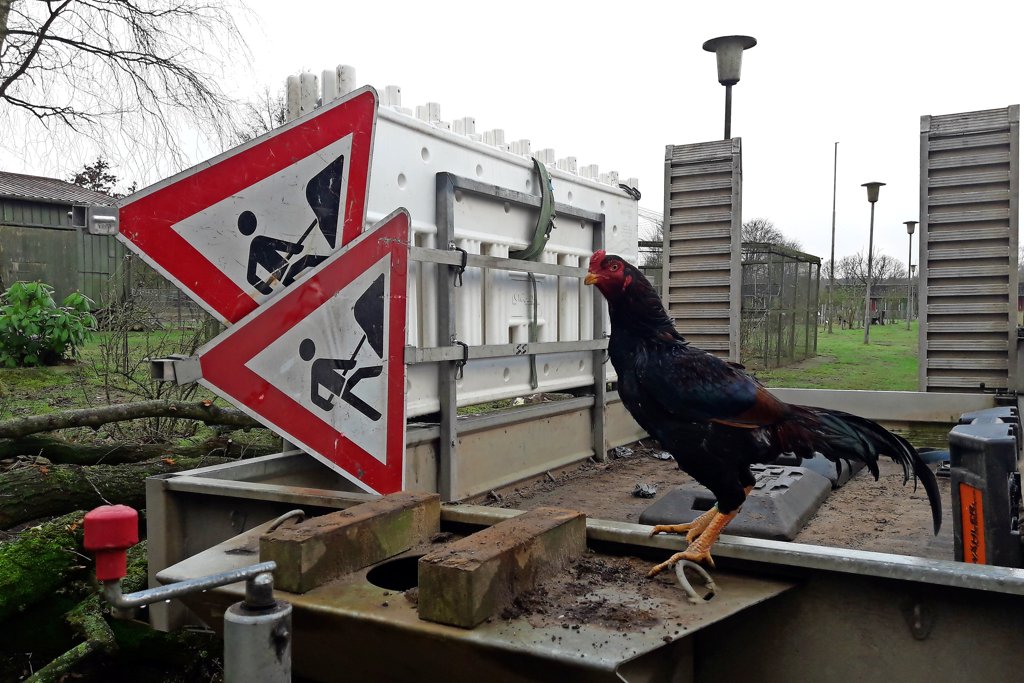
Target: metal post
[[910, 251], [873, 188], [728, 111], [446, 372], [598, 440], [867, 296], [258, 636], [832, 256]]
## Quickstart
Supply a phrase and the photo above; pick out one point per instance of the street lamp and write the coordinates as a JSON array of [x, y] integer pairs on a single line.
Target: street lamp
[[910, 250], [729, 51], [832, 259], [872, 197]]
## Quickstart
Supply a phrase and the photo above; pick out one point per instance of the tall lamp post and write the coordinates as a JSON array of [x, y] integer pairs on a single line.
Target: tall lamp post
[[832, 259], [910, 250], [872, 197], [729, 50]]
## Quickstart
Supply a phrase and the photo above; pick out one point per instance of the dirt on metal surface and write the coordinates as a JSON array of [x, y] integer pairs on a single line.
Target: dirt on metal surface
[[883, 516]]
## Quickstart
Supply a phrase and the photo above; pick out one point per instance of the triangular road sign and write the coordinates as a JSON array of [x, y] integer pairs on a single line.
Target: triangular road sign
[[323, 364], [237, 229]]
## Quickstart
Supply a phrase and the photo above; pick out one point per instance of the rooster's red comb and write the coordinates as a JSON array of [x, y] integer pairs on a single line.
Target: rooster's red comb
[[595, 260]]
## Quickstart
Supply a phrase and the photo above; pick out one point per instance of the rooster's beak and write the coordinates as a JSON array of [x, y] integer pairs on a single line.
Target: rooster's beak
[[590, 279]]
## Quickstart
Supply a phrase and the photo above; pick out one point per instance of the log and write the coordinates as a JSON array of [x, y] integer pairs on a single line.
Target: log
[[38, 561], [68, 453], [87, 620], [204, 411], [40, 491]]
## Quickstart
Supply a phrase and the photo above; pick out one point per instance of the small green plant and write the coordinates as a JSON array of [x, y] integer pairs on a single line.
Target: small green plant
[[34, 330]]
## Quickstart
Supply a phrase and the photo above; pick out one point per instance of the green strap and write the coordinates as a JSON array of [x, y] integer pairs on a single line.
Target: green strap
[[541, 234], [546, 220]]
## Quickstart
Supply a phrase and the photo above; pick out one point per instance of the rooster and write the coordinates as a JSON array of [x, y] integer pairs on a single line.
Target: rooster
[[714, 418]]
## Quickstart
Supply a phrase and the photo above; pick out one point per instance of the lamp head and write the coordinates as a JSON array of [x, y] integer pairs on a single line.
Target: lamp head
[[872, 190], [729, 50], [910, 226]]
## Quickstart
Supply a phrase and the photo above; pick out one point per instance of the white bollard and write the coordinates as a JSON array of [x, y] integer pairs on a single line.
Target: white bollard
[[292, 97], [308, 93], [346, 76]]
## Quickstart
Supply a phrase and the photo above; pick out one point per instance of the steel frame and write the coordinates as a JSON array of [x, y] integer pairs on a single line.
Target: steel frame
[[447, 184]]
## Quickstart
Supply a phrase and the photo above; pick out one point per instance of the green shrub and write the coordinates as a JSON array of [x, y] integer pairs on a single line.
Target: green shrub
[[35, 331]]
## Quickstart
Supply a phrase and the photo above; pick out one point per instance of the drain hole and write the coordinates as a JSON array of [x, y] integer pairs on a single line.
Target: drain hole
[[396, 575]]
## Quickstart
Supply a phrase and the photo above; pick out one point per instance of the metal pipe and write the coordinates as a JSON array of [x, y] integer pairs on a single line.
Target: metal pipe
[[832, 257], [112, 589], [728, 111], [784, 553], [910, 252], [258, 636]]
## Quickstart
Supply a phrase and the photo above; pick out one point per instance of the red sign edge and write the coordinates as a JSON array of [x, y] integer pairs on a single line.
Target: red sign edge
[[188, 267], [224, 371]]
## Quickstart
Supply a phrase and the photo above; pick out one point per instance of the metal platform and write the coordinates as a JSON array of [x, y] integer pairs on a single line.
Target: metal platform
[[814, 613], [627, 631]]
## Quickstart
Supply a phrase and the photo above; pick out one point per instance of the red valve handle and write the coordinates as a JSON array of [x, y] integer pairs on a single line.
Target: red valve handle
[[109, 531]]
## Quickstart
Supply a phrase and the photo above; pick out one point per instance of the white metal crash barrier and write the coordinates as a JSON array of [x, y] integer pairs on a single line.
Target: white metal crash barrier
[[492, 307]]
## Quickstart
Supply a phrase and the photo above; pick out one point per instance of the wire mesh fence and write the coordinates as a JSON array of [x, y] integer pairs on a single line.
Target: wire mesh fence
[[779, 321]]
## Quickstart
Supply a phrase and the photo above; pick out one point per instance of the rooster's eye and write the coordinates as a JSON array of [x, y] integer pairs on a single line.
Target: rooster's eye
[[613, 267]]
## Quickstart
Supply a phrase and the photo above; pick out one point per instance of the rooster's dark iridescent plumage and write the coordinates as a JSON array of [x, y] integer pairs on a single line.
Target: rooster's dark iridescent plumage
[[714, 418]]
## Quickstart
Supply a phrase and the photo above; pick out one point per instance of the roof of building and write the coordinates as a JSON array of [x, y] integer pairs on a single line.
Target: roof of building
[[19, 186]]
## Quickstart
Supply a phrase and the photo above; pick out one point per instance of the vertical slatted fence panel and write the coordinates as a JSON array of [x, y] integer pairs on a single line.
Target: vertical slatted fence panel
[[701, 285], [970, 171]]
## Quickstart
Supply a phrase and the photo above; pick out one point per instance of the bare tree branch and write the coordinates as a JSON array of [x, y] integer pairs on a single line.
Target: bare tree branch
[[97, 417], [127, 74]]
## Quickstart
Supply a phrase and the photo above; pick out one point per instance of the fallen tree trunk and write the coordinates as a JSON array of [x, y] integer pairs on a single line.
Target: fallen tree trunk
[[39, 491], [97, 417], [38, 561], [87, 620], [65, 452]]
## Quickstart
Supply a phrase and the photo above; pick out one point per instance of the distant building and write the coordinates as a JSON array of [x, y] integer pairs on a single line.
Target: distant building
[[37, 241]]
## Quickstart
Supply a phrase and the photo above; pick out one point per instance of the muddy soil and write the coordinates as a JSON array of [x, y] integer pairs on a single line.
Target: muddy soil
[[883, 516]]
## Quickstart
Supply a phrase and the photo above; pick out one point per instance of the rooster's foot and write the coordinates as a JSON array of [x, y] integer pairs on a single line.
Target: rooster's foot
[[694, 553], [691, 529]]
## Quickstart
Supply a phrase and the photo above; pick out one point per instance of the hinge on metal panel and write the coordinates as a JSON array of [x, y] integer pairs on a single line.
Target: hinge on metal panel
[[460, 365], [459, 269]]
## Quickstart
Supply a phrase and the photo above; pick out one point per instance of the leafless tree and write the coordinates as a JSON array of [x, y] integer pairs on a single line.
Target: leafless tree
[[261, 116], [117, 71], [763, 231], [651, 256], [854, 268]]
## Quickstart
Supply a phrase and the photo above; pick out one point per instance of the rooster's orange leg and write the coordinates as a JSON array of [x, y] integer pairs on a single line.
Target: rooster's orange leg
[[691, 529], [699, 550], [712, 522]]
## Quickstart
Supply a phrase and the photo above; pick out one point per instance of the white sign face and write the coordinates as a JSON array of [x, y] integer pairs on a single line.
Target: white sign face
[[263, 237], [238, 229], [323, 363], [332, 362]]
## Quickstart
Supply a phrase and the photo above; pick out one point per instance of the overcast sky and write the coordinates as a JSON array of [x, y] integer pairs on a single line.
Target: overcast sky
[[612, 83]]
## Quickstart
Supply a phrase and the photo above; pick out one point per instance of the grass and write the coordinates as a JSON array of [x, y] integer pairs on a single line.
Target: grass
[[888, 363], [91, 382]]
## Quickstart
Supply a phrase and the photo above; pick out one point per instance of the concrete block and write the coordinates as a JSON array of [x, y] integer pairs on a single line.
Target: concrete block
[[323, 548], [782, 502], [469, 580], [823, 466]]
